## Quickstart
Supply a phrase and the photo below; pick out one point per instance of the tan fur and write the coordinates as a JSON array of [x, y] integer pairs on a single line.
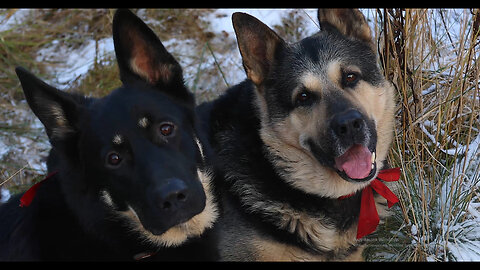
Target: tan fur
[[378, 104], [305, 173], [268, 250], [143, 122], [333, 73], [311, 82], [256, 246], [117, 139]]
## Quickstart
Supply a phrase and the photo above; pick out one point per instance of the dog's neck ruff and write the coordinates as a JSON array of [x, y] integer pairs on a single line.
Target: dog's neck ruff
[[315, 231], [369, 219]]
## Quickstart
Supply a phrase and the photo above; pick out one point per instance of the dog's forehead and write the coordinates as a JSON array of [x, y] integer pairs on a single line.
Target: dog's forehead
[[315, 55], [127, 109], [128, 101]]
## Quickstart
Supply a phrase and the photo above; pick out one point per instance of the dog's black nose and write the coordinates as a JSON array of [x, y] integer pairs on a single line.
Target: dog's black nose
[[173, 201], [347, 125], [172, 195]]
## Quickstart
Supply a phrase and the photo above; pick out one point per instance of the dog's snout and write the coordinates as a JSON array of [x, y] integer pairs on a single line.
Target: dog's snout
[[347, 125], [172, 195], [171, 202]]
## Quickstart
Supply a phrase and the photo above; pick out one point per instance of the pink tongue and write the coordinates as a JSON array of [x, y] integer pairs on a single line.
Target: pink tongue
[[356, 162]]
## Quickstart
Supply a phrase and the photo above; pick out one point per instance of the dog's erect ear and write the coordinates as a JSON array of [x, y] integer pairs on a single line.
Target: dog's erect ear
[[258, 45], [140, 53], [56, 109], [349, 22]]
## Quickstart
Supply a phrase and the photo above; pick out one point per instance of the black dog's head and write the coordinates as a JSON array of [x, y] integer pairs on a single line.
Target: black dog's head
[[136, 148], [326, 111]]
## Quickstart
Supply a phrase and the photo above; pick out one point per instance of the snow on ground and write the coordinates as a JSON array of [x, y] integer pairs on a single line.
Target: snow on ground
[[4, 195], [74, 63], [269, 17], [6, 22]]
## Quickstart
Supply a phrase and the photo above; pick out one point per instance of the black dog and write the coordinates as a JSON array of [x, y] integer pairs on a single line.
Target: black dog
[[128, 178]]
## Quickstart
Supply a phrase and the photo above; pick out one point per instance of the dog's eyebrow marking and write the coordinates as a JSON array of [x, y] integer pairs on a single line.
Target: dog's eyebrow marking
[[334, 71], [143, 122], [117, 139], [311, 81]]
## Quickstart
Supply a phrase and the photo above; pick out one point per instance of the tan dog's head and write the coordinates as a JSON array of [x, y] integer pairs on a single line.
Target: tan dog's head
[[326, 111]]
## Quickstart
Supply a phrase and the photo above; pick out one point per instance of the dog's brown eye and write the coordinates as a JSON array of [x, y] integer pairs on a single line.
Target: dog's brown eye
[[304, 98], [350, 79], [114, 159], [167, 129]]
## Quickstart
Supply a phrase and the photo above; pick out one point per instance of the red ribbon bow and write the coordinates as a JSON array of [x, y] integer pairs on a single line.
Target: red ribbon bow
[[368, 218], [28, 196]]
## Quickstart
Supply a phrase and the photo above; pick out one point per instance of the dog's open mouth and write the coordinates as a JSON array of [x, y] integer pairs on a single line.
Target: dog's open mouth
[[356, 164]]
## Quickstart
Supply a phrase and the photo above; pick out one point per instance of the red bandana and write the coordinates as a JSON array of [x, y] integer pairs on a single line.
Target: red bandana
[[368, 218], [27, 197]]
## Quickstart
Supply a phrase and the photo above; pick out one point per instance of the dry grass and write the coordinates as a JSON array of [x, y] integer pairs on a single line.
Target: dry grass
[[435, 70]]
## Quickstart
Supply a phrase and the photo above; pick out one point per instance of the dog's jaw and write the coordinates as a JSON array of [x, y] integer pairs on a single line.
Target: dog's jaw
[[301, 169], [177, 234]]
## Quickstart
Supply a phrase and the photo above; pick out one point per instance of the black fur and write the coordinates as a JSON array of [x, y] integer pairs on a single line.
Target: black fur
[[70, 217]]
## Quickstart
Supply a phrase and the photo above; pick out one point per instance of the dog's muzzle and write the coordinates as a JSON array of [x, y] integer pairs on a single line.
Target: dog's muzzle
[[355, 146]]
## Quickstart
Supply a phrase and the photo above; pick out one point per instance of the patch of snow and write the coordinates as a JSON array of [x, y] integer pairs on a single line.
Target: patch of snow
[[221, 19], [3, 149], [18, 16], [73, 64], [5, 195]]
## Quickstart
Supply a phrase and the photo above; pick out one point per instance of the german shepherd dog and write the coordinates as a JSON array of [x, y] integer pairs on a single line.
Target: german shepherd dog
[[128, 174], [312, 123]]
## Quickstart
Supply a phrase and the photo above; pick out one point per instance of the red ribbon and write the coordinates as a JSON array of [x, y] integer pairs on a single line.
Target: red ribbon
[[28, 196], [368, 218]]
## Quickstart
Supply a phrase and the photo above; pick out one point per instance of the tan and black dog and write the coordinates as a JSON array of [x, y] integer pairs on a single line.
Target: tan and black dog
[[312, 123]]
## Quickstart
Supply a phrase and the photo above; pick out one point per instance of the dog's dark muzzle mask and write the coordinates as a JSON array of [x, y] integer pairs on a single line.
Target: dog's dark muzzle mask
[[168, 203], [349, 146], [159, 193], [171, 202]]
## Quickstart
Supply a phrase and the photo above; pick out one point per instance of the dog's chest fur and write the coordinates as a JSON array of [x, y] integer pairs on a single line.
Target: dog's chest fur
[[246, 238]]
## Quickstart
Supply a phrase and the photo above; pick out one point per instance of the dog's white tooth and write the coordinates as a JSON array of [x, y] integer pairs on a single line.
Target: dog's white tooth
[[373, 166], [373, 158]]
